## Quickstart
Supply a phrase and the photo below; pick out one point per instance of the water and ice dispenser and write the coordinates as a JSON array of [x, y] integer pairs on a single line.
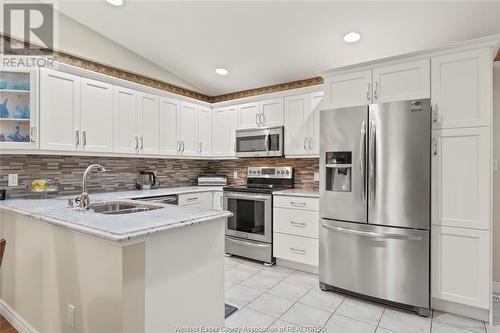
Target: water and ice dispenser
[[338, 171]]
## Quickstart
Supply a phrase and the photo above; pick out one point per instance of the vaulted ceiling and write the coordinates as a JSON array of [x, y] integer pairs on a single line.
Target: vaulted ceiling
[[266, 42]]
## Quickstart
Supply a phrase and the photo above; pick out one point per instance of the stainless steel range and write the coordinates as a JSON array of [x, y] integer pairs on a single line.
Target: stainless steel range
[[249, 232]]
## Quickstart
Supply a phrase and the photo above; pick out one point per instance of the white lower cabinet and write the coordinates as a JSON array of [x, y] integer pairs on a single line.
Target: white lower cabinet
[[295, 248], [296, 229], [198, 200], [461, 266]]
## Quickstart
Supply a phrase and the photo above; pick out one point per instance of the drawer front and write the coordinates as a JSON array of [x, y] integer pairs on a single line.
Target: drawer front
[[199, 199], [296, 222], [296, 248], [296, 202]]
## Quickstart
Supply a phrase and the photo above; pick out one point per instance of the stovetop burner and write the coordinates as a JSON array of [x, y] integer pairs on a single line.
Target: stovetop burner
[[265, 180]]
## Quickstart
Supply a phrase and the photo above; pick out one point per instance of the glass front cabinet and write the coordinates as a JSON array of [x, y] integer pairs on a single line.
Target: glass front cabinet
[[18, 109]]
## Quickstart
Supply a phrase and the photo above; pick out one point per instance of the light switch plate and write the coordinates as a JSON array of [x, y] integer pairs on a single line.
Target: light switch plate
[[13, 179], [235, 174], [316, 176]]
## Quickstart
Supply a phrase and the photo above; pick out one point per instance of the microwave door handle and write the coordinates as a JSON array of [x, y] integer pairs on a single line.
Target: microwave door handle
[[266, 143]]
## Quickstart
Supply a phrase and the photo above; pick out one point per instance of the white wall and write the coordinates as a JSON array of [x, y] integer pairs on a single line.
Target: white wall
[[496, 175]]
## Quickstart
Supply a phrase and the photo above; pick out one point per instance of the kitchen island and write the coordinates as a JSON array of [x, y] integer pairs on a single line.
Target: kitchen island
[[67, 270]]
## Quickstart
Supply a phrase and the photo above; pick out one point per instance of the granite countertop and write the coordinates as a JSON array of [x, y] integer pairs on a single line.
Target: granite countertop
[[116, 228], [296, 192]]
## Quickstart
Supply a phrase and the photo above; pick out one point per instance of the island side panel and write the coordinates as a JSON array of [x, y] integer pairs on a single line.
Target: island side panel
[[185, 277], [45, 268], [133, 288]]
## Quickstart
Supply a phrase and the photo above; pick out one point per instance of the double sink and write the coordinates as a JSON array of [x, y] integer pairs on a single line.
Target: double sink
[[121, 207]]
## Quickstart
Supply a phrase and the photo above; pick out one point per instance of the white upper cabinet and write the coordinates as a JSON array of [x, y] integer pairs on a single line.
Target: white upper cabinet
[[461, 169], [204, 131], [351, 89], [96, 116], [315, 103], [461, 89], [404, 81], [460, 266], [60, 111], [149, 124], [296, 133], [126, 137], [169, 140], [266, 113], [188, 129], [249, 115], [224, 121], [302, 124], [271, 112]]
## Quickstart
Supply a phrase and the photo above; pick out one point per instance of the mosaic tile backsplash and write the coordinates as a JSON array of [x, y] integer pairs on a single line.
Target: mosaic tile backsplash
[[123, 173]]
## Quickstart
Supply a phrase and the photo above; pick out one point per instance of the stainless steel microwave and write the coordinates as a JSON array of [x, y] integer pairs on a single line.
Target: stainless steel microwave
[[260, 142]]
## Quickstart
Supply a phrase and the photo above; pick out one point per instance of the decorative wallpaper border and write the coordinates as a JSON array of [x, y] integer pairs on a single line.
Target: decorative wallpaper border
[[158, 84], [162, 85]]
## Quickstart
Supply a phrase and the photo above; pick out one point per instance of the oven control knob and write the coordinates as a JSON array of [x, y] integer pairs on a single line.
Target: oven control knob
[[258, 171], [287, 172]]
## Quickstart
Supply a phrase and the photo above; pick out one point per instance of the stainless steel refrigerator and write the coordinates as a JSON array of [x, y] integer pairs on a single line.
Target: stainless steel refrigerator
[[375, 202]]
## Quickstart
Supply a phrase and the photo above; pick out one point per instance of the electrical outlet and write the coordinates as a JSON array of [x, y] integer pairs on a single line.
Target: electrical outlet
[[235, 174], [13, 180], [316, 176], [71, 315]]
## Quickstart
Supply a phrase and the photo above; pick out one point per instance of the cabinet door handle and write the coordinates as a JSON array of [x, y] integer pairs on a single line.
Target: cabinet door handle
[[84, 138], [142, 142], [310, 143], [262, 119], [305, 143], [375, 92], [435, 113], [182, 143], [299, 251], [191, 198], [136, 142], [368, 91], [294, 203], [298, 224], [32, 133], [257, 119], [200, 147], [435, 146], [77, 137]]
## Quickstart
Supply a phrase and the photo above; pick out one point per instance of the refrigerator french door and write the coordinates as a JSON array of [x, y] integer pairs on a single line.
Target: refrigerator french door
[[375, 202]]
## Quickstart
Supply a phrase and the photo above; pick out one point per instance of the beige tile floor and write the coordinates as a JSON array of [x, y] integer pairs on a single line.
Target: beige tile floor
[[277, 299]]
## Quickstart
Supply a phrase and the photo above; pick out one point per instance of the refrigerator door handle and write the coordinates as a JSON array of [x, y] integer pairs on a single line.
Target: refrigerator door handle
[[372, 162], [370, 234], [362, 161]]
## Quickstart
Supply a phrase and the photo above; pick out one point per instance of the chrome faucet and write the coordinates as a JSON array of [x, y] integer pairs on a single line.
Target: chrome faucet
[[84, 197]]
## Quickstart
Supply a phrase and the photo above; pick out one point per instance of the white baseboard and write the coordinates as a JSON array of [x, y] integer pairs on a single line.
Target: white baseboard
[[496, 287], [15, 319]]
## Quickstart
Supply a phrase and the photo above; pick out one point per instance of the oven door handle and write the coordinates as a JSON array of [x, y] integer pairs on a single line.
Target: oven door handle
[[242, 242], [247, 196]]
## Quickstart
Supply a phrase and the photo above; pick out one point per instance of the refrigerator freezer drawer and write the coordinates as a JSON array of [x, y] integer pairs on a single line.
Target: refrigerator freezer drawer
[[382, 262]]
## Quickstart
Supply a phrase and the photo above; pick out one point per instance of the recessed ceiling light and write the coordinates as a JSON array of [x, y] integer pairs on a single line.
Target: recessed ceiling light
[[352, 37], [221, 71], [115, 2]]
